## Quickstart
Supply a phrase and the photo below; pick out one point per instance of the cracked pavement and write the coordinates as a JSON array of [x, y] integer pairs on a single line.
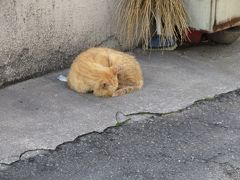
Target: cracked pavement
[[42, 113], [200, 142]]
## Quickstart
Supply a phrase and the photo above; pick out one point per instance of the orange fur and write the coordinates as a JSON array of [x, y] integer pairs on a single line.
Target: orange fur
[[105, 72]]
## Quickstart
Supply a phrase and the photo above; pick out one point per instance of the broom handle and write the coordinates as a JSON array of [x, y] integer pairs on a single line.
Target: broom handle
[[158, 24]]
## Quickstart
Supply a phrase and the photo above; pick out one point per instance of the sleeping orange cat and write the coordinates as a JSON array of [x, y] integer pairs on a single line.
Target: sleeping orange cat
[[105, 72]]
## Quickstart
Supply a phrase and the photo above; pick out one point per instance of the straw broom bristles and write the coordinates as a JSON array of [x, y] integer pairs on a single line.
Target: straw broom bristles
[[136, 17]]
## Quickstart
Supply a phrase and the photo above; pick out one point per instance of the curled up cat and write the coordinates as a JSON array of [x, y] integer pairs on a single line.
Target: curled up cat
[[105, 72]]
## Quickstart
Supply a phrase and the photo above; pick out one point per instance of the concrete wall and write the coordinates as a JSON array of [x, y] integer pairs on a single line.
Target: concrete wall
[[39, 36]]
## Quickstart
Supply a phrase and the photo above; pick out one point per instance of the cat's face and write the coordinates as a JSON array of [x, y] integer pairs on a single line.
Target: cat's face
[[108, 84]]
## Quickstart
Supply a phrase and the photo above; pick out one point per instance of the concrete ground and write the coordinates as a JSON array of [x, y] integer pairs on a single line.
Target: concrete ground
[[43, 113], [200, 142]]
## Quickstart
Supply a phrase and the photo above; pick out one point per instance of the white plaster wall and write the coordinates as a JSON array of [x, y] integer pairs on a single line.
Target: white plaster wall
[[38, 36]]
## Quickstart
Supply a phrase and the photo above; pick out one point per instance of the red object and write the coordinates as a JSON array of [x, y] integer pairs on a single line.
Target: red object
[[194, 36]]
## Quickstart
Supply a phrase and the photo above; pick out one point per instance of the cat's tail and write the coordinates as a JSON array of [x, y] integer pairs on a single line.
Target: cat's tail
[[62, 78]]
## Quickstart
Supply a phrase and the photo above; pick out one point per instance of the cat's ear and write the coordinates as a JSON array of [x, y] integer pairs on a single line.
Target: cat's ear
[[115, 69], [104, 84]]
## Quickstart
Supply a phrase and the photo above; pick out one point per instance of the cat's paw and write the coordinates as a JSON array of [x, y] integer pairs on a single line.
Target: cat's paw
[[115, 94], [119, 92]]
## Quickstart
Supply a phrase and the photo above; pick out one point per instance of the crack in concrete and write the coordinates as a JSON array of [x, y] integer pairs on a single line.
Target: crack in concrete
[[228, 169], [112, 37], [230, 172], [209, 160]]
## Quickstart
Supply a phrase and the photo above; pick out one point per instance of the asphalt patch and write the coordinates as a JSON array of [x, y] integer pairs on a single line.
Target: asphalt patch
[[200, 142]]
